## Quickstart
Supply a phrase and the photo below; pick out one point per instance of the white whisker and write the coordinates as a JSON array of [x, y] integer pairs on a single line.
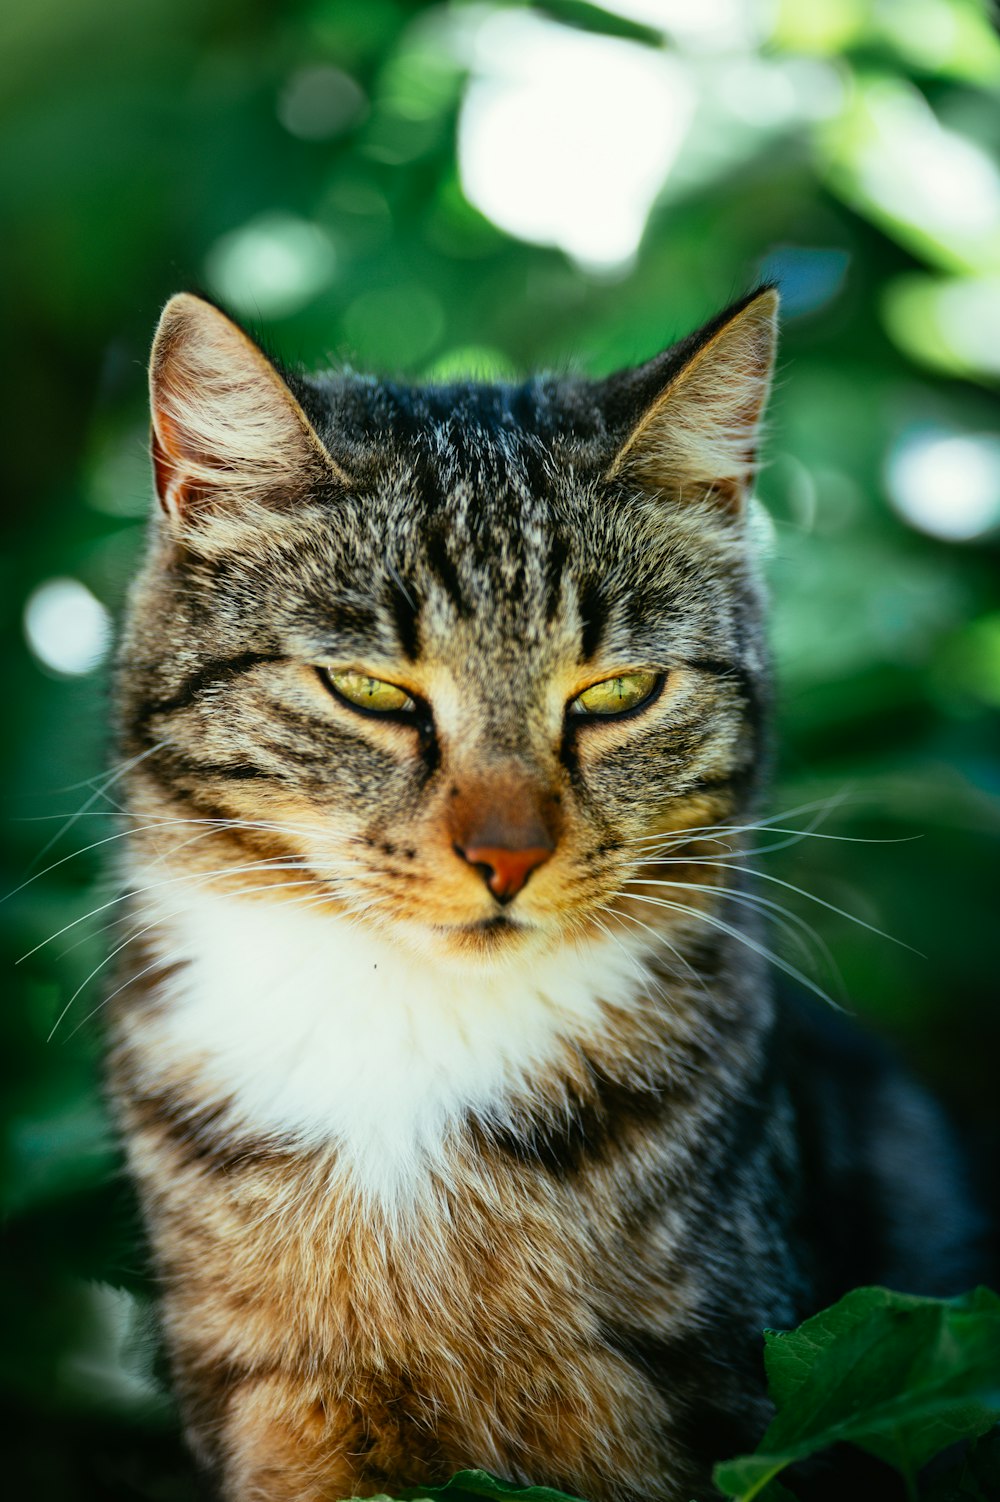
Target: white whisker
[[661, 940], [133, 892], [801, 891], [793, 925], [766, 953], [98, 792], [823, 806], [215, 824], [156, 923]]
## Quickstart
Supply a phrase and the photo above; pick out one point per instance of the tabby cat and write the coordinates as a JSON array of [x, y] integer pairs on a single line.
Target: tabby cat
[[467, 1126]]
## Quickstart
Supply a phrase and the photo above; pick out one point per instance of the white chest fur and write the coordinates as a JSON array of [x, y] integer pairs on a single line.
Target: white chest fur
[[320, 1031]]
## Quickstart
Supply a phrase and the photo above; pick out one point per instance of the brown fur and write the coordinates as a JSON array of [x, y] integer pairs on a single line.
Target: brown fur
[[320, 1354]]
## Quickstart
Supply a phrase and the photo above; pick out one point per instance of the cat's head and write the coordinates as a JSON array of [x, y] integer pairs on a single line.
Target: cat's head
[[445, 657]]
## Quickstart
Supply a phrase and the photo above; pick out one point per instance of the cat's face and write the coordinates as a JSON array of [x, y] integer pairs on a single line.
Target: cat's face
[[444, 659]]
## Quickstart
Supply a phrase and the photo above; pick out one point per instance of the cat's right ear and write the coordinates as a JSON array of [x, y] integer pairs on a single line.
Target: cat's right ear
[[227, 433], [696, 409]]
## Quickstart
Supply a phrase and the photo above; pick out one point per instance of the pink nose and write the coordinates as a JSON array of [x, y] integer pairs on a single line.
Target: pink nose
[[504, 871]]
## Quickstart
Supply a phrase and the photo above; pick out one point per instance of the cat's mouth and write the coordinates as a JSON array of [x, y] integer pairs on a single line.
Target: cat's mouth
[[485, 936], [494, 927], [496, 923]]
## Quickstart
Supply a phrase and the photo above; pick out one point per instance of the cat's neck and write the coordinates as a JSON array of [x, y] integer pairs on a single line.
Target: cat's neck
[[317, 1031]]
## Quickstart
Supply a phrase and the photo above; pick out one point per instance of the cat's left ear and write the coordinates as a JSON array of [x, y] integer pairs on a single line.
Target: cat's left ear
[[700, 406], [228, 433]]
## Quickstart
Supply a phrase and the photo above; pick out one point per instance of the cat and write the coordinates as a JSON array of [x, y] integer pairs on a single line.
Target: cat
[[469, 1128]]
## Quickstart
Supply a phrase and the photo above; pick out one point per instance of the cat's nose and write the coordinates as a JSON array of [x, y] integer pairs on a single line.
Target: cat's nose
[[505, 871]]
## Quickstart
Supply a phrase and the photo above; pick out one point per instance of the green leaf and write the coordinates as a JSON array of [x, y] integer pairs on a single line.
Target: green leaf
[[901, 1377], [775, 1492], [469, 1484]]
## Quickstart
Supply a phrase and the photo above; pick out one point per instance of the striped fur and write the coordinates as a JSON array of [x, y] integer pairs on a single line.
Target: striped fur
[[433, 1182]]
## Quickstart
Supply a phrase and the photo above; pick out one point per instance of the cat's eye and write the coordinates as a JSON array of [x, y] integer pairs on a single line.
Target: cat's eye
[[615, 696], [372, 694]]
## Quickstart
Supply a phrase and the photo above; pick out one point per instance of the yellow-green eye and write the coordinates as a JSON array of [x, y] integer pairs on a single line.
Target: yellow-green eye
[[373, 694], [615, 695]]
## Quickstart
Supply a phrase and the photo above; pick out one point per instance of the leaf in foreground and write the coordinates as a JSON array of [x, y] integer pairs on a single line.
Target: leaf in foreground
[[901, 1377], [473, 1486]]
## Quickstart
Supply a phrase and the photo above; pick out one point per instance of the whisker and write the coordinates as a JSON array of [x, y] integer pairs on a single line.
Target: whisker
[[98, 792], [161, 918], [630, 958], [824, 806], [133, 892], [661, 939], [647, 980], [83, 813], [763, 950], [798, 835], [801, 891], [122, 834], [163, 960], [792, 924], [641, 973], [95, 845]]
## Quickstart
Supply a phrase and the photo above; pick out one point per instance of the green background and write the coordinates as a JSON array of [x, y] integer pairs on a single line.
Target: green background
[[299, 162]]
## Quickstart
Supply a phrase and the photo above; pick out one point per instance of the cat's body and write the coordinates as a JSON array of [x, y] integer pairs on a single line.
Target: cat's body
[[468, 1130]]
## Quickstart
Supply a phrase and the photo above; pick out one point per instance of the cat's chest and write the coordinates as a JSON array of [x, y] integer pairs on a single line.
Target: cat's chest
[[469, 1328], [317, 1033]]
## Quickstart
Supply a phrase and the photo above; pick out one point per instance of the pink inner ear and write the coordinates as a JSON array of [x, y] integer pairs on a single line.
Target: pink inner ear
[[176, 489]]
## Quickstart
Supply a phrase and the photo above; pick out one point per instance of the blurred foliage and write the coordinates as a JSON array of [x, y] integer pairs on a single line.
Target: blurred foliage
[[300, 160]]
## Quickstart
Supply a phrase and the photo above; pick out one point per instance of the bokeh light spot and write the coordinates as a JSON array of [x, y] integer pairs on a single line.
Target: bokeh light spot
[[822, 26], [472, 362], [271, 266], [975, 658], [320, 102], [952, 323], [759, 92], [895, 157], [711, 25], [565, 138], [66, 627], [947, 484], [807, 277]]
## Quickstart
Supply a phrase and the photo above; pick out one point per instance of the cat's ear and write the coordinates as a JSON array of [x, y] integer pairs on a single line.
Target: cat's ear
[[227, 431], [697, 433]]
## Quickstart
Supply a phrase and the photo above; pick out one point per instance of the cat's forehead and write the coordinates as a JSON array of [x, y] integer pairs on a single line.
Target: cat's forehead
[[485, 460], [474, 494], [481, 531], [483, 519], [488, 495]]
